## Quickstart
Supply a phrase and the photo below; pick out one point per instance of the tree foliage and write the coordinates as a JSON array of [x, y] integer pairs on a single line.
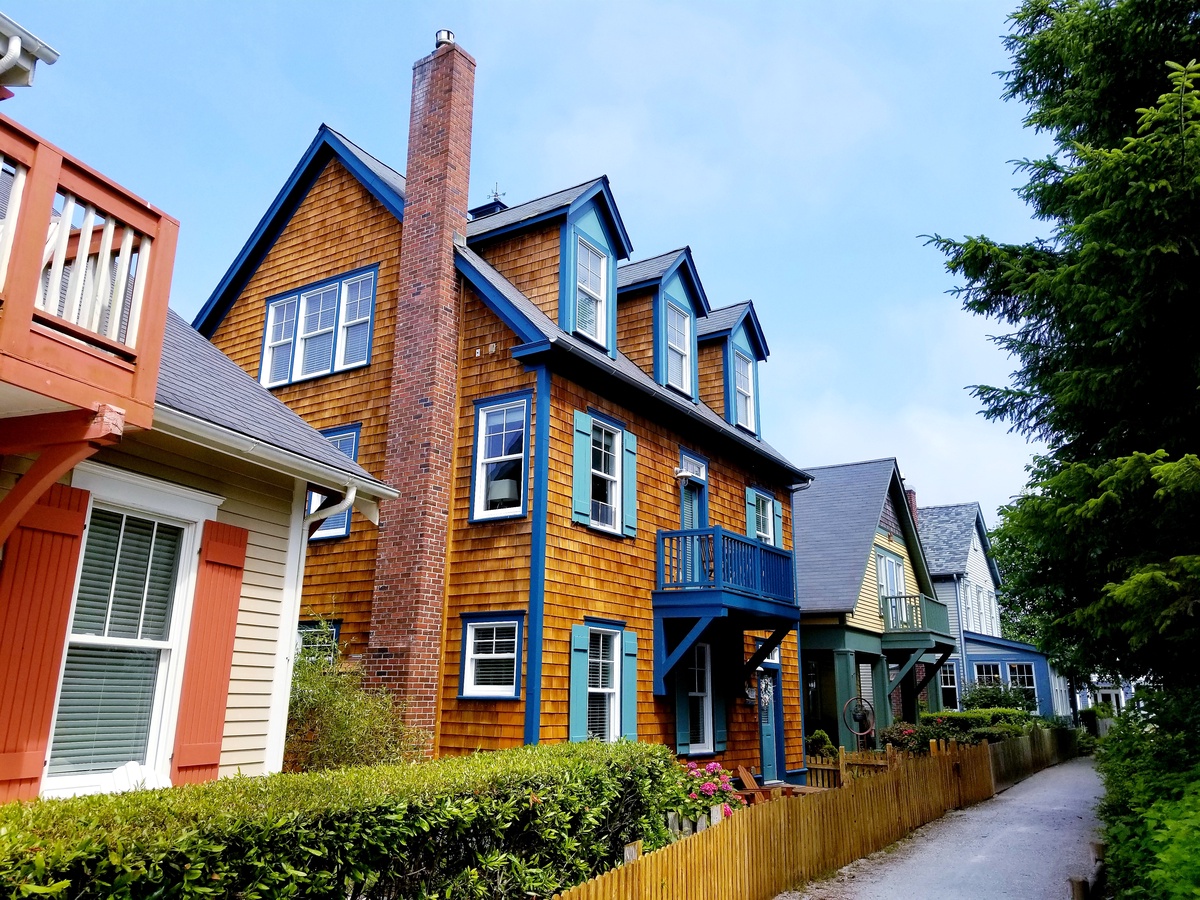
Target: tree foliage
[[1102, 552]]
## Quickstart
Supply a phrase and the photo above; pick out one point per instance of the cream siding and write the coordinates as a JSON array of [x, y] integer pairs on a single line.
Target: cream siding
[[866, 614], [980, 574]]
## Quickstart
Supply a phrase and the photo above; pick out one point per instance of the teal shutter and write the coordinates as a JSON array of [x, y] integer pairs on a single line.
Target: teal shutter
[[683, 718], [629, 485], [751, 522], [581, 483], [629, 688], [720, 731], [778, 523], [577, 717]]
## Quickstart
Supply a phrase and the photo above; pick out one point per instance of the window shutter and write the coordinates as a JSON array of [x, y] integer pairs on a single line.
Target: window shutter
[[720, 730], [751, 519], [209, 657], [778, 523], [683, 717], [629, 485], [581, 488], [37, 581], [629, 691], [577, 718]]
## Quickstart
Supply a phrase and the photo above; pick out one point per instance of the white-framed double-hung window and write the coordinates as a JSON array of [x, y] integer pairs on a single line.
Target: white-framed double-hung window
[[591, 314], [764, 518], [490, 658], [1020, 675], [606, 476], [321, 328], [501, 445], [987, 673], [679, 349], [604, 684], [118, 692], [743, 390], [889, 574], [700, 701], [948, 680], [345, 439]]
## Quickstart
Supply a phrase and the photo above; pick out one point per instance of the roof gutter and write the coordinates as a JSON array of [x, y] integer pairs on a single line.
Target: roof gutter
[[195, 430]]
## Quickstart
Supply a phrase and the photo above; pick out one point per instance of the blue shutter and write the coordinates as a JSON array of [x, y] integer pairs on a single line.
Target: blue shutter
[[629, 685], [683, 717], [581, 486], [751, 521], [577, 717], [778, 523], [629, 485], [720, 730]]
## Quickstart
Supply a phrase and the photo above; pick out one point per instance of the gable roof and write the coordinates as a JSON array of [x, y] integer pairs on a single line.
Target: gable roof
[[541, 334], [724, 320], [834, 521], [552, 206], [199, 381], [384, 183], [657, 269], [946, 533]]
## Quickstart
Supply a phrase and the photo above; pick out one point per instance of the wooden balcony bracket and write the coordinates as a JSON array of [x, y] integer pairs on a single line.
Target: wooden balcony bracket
[[905, 669], [765, 649], [664, 662], [61, 440], [930, 671]]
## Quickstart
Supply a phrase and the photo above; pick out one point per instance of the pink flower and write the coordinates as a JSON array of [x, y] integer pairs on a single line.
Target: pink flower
[[728, 810], [693, 796], [708, 789], [692, 765], [713, 766]]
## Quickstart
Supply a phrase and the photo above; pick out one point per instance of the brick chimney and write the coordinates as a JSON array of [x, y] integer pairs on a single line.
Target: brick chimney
[[410, 574], [911, 496]]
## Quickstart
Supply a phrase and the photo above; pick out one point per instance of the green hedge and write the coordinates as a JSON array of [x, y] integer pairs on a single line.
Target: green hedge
[[508, 824], [977, 718]]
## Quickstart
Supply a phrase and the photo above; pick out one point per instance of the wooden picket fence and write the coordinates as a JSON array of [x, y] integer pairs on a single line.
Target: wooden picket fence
[[771, 847], [835, 771]]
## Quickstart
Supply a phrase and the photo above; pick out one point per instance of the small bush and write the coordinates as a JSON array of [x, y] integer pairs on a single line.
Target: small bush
[[998, 696], [819, 744], [994, 734], [915, 738], [534, 820], [697, 789], [978, 718], [1085, 742], [333, 721]]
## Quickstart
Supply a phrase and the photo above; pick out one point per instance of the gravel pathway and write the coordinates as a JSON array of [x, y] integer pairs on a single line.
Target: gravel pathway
[[1024, 844]]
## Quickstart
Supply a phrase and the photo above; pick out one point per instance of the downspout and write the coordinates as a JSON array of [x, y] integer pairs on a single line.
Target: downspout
[[325, 512], [10, 57]]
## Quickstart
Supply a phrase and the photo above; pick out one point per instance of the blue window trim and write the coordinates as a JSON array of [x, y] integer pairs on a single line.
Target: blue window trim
[[537, 556], [320, 534], [731, 387], [617, 624], [337, 325], [480, 406], [703, 511], [686, 307], [623, 429], [568, 276], [475, 618]]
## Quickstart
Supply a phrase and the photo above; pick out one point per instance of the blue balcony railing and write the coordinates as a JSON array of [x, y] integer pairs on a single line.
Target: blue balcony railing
[[716, 559]]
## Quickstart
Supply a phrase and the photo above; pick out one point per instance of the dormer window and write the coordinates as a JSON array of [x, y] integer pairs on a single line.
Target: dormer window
[[679, 349], [590, 314], [743, 385]]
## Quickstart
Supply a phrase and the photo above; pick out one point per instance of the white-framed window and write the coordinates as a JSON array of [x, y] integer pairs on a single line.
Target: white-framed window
[[321, 328], [591, 317], [889, 573], [987, 673], [344, 439], [764, 518], [318, 638], [500, 462], [679, 349], [693, 467], [1020, 675], [979, 614], [948, 679], [490, 658], [606, 477], [118, 693], [743, 390], [700, 705], [604, 684]]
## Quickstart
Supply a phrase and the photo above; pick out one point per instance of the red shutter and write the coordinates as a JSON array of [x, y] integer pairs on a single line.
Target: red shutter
[[37, 583], [209, 659]]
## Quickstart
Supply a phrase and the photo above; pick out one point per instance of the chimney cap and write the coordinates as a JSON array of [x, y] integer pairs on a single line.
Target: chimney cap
[[444, 36]]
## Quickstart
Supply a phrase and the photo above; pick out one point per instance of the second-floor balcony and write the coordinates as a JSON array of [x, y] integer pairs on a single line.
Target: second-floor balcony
[[707, 568], [908, 613], [85, 272]]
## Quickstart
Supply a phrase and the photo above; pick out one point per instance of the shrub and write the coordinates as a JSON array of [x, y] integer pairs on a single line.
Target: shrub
[[996, 696], [993, 734], [504, 824], [1085, 742], [915, 738], [333, 721], [819, 744], [961, 724], [1087, 718], [697, 789]]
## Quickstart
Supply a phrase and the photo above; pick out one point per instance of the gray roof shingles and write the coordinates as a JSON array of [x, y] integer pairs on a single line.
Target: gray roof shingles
[[531, 210], [382, 170], [946, 535], [720, 320], [622, 366], [835, 520], [196, 378], [647, 269]]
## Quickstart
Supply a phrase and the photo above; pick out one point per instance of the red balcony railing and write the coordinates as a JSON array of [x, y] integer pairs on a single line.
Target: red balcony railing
[[85, 273]]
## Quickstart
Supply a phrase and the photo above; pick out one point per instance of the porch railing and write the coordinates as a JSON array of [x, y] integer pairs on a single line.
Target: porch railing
[[719, 559], [914, 612]]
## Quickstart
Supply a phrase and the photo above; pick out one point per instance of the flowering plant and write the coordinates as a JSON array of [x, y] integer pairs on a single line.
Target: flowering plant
[[699, 788]]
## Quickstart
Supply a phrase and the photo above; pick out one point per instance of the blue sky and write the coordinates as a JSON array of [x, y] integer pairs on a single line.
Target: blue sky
[[800, 149]]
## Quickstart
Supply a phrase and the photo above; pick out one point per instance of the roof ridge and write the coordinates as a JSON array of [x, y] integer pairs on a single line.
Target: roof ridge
[[589, 181], [638, 262], [861, 462], [364, 150], [950, 505]]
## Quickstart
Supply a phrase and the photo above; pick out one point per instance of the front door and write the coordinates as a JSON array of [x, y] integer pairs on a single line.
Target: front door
[[693, 514], [768, 684]]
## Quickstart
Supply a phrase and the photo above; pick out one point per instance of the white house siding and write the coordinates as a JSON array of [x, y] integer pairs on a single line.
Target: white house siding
[[259, 501], [945, 592], [979, 573]]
